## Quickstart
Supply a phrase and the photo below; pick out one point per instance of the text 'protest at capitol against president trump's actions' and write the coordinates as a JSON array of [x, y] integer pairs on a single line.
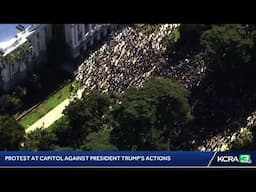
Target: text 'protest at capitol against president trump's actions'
[[87, 158]]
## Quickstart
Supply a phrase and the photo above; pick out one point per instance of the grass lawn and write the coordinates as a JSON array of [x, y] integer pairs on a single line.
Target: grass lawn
[[177, 35], [47, 105]]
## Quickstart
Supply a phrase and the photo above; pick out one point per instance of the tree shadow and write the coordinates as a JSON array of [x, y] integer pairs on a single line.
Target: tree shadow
[[221, 103]]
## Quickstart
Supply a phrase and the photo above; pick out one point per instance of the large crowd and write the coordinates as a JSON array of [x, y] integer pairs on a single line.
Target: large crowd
[[188, 71], [131, 57], [126, 60]]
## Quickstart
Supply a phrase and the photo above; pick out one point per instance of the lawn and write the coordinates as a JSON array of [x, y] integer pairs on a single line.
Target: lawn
[[177, 34], [48, 105]]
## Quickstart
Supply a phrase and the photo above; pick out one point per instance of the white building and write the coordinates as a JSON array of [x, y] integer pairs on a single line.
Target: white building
[[12, 38], [78, 37]]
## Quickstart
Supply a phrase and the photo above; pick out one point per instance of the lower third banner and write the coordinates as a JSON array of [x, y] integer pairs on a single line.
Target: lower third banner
[[127, 159]]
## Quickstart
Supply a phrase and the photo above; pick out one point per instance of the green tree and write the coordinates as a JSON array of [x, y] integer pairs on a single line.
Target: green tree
[[134, 117], [11, 133], [9, 104], [34, 82], [172, 107], [20, 92], [190, 34], [62, 130], [171, 100], [144, 119], [170, 41], [148, 28], [228, 47], [86, 116], [99, 141], [58, 148], [40, 140]]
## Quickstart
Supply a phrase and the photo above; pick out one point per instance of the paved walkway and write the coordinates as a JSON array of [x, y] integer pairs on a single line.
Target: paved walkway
[[49, 118]]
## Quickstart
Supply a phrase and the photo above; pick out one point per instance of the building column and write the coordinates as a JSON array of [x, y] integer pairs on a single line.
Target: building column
[[42, 38], [90, 28], [82, 29], [105, 31], [6, 74], [76, 33], [73, 35], [23, 66], [98, 36]]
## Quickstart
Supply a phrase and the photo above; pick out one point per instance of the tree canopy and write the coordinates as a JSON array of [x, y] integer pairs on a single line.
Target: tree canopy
[[143, 119], [190, 34], [228, 47], [99, 141], [40, 140], [85, 116], [9, 104], [11, 134]]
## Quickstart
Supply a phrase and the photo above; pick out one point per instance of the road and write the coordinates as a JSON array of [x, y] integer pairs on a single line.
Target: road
[[49, 118]]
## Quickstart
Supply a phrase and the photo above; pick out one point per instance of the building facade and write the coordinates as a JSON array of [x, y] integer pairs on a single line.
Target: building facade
[[80, 37], [14, 65]]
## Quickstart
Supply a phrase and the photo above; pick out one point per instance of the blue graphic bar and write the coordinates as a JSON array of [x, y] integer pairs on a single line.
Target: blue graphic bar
[[126, 159]]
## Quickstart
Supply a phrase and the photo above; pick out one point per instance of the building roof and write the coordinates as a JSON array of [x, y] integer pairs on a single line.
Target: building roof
[[8, 31], [13, 35]]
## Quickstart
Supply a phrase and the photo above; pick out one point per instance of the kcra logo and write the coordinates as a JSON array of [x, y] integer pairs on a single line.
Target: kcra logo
[[234, 159]]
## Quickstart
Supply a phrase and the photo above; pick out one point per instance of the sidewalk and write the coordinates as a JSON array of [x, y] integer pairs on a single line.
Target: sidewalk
[[53, 115]]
